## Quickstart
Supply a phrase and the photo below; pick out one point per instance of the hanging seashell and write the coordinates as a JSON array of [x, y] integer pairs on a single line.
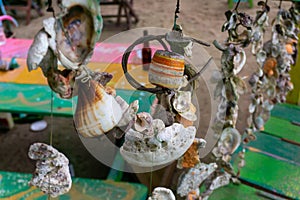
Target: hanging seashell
[[149, 151], [161, 193], [259, 123], [182, 101], [77, 32], [143, 122], [239, 61], [187, 118], [62, 82], [229, 141], [220, 181], [52, 175], [269, 67], [167, 69], [191, 156], [192, 180], [97, 112], [261, 56]]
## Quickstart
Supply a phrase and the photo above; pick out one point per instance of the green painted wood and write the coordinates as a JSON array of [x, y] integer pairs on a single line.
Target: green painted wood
[[237, 192], [15, 186], [35, 99], [288, 112], [272, 174], [282, 129], [275, 147]]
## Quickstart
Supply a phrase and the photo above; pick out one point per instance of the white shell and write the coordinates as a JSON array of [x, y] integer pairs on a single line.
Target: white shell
[[97, 112], [229, 140], [161, 193], [52, 169], [194, 177], [182, 101], [145, 152], [239, 62]]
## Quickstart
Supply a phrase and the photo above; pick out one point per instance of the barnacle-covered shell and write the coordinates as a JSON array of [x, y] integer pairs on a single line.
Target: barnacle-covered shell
[[161, 193], [148, 151], [97, 112], [191, 156], [229, 141], [77, 31], [191, 180], [52, 174]]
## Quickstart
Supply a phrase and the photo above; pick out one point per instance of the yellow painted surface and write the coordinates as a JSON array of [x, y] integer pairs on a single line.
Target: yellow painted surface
[[23, 76]]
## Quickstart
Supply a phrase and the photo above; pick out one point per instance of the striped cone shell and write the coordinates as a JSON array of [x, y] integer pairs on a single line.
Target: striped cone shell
[[97, 112], [167, 69]]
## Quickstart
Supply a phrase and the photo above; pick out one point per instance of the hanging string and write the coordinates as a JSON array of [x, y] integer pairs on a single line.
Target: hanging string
[[177, 11], [280, 3], [237, 5]]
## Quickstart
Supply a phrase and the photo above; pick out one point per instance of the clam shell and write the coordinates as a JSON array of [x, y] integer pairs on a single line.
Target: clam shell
[[77, 32], [190, 115], [97, 112]]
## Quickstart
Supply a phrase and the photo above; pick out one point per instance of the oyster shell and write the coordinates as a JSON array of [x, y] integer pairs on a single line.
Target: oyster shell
[[191, 180], [77, 31], [97, 112], [52, 173], [148, 151], [229, 140]]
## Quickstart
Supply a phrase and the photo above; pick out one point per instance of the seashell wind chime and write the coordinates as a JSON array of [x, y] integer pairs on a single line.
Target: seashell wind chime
[[167, 133], [68, 38], [229, 86], [271, 81]]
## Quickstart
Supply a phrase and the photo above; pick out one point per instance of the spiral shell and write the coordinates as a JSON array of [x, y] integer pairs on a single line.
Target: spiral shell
[[97, 112]]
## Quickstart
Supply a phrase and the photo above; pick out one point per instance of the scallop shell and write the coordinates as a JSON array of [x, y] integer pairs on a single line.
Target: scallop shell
[[97, 112], [77, 31]]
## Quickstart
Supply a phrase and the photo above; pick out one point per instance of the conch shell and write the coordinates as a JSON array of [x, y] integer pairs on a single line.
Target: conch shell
[[97, 112]]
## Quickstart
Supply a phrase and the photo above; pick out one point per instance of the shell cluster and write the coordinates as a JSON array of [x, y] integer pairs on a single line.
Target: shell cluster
[[52, 175], [271, 83], [69, 38], [161, 145]]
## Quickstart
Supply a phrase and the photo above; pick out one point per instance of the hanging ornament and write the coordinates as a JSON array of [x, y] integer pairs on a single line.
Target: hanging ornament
[[229, 86], [165, 134], [52, 175], [69, 38]]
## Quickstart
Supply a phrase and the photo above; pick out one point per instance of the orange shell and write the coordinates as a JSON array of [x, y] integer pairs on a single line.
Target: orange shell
[[269, 65], [289, 48], [191, 156]]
